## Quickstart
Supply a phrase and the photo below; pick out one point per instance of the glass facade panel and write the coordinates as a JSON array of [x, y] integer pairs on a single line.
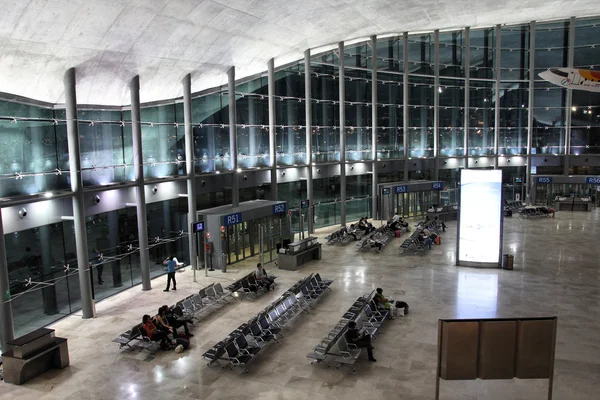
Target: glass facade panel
[[358, 55], [390, 116], [420, 116], [210, 115], [482, 53], [549, 116], [452, 54], [585, 123], [390, 54], [252, 108], [290, 116], [325, 113], [514, 53], [420, 54], [551, 45], [451, 112], [587, 43], [481, 118], [514, 99]]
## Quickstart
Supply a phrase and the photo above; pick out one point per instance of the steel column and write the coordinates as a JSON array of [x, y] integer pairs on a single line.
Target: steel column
[[405, 104], [272, 133], [467, 68], [233, 152], [83, 264], [570, 61], [342, 102], [374, 194], [7, 332], [530, 109], [140, 198], [190, 169], [436, 104], [497, 95], [309, 169]]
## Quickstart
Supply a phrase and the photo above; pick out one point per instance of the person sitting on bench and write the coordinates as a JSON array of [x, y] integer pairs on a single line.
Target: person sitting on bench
[[352, 232], [262, 277], [362, 341], [429, 234], [438, 223], [176, 323], [376, 243], [153, 333], [381, 300], [421, 238]]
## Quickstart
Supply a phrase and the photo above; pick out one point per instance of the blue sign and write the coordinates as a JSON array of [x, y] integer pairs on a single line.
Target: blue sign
[[385, 191], [437, 185], [304, 204], [543, 180], [279, 208], [232, 219], [198, 227], [592, 180], [401, 189]]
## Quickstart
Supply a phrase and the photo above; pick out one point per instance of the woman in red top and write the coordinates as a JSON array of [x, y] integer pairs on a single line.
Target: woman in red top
[[153, 333]]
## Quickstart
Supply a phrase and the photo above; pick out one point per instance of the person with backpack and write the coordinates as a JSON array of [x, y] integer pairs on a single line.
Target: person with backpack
[[153, 333]]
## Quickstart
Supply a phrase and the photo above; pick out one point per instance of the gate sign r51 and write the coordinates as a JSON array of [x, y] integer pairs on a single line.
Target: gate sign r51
[[232, 219], [592, 180]]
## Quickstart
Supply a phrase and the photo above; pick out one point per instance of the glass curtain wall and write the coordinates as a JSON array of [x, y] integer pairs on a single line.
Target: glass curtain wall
[[34, 151], [210, 117], [290, 115], [549, 104], [585, 111], [252, 109]]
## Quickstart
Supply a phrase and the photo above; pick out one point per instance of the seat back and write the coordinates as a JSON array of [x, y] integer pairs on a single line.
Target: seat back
[[187, 304], [231, 350], [202, 293], [197, 300], [273, 315], [211, 291], [218, 289], [368, 311], [304, 290], [293, 299], [251, 279], [280, 309], [241, 342], [255, 330], [318, 278], [264, 324], [246, 284], [135, 331], [308, 286]]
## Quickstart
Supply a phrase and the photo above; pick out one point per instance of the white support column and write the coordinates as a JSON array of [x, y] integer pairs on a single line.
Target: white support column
[[342, 102], [233, 156], [374, 194], [309, 169], [272, 133], [405, 96], [436, 104], [190, 168], [7, 332], [530, 97], [83, 264], [140, 194], [569, 105], [497, 94], [467, 68]]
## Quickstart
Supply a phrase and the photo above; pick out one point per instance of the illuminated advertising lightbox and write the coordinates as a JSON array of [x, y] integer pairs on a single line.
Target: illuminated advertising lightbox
[[480, 217]]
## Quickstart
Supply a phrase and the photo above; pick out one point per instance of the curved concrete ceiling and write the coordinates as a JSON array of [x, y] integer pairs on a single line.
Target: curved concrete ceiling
[[110, 41]]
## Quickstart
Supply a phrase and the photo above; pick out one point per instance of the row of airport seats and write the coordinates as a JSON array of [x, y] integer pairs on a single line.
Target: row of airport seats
[[380, 235], [345, 235], [532, 212], [247, 287], [187, 309], [411, 245], [368, 317], [252, 338]]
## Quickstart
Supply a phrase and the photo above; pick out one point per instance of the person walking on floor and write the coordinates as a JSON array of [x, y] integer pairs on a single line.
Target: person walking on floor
[[171, 264]]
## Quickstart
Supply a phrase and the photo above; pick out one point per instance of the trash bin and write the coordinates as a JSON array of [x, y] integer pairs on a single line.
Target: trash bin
[[507, 261], [224, 262]]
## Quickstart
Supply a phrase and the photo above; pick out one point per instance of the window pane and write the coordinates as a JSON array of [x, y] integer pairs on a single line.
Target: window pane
[[390, 55], [548, 119], [481, 118], [452, 101], [420, 116], [420, 54], [390, 116], [483, 51], [514, 98], [452, 55], [514, 57], [551, 42]]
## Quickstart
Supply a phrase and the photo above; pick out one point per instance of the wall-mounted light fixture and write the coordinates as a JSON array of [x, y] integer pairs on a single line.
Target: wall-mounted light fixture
[[22, 212], [283, 173], [202, 183], [245, 177], [154, 190], [96, 199]]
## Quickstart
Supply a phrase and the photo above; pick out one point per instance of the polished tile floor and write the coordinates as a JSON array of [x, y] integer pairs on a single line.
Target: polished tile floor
[[556, 273]]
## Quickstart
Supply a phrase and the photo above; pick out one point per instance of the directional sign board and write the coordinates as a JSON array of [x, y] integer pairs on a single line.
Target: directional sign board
[[198, 226]]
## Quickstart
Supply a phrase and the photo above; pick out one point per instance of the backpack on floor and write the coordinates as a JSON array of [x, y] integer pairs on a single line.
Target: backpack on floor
[[401, 304], [182, 344]]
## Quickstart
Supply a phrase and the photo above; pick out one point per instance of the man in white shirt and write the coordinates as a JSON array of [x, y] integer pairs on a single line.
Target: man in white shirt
[[262, 277]]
